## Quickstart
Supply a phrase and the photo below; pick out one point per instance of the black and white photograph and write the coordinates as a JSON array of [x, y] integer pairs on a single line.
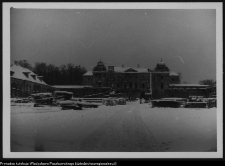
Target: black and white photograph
[[112, 80]]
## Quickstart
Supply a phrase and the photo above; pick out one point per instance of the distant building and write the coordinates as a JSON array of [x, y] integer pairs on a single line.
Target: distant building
[[24, 82], [186, 90], [133, 82]]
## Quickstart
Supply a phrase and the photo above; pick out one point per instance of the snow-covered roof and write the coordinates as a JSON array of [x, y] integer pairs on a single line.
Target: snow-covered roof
[[19, 72], [60, 92], [173, 73], [192, 85], [70, 86], [40, 94], [88, 73], [134, 69]]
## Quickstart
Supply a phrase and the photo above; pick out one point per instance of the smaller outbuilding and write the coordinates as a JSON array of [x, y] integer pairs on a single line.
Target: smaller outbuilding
[[187, 90]]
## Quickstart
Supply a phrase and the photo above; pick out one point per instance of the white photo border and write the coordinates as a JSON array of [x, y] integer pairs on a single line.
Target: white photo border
[[172, 5]]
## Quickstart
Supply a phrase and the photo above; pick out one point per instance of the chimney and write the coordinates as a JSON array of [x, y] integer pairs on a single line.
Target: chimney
[[138, 66], [16, 63], [122, 66]]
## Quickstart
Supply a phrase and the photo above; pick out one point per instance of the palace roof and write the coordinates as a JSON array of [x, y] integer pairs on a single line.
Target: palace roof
[[131, 69], [71, 86], [188, 85]]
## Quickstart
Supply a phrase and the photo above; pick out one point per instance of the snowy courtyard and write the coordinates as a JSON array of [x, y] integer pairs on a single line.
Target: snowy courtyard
[[122, 128]]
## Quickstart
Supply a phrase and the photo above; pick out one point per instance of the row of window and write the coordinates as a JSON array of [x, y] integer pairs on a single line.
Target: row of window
[[128, 85], [27, 87], [131, 77], [119, 77], [161, 77], [158, 86], [127, 76], [131, 85]]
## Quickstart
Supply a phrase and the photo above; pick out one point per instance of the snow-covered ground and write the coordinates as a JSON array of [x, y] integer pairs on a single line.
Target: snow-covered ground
[[123, 128]]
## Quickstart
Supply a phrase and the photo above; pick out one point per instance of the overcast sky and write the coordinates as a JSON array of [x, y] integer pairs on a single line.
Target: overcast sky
[[118, 36]]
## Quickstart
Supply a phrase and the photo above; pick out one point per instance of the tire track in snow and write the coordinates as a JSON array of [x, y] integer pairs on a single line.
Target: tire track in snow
[[123, 132]]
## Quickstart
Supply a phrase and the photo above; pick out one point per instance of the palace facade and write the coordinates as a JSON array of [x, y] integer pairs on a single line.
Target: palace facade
[[133, 82]]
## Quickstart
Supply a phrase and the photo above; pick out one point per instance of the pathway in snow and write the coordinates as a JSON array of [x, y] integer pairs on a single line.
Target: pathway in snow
[[123, 132]]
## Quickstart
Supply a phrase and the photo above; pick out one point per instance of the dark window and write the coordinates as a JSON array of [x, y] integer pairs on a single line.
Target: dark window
[[162, 86], [161, 77], [125, 86], [11, 73], [118, 85], [130, 77], [172, 79], [130, 84], [143, 86], [135, 85], [26, 74]]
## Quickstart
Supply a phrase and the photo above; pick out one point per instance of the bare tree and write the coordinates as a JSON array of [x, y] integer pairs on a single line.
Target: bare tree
[[25, 64], [210, 82]]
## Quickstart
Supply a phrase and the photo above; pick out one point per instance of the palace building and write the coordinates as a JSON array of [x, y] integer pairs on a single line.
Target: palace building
[[133, 82], [130, 82]]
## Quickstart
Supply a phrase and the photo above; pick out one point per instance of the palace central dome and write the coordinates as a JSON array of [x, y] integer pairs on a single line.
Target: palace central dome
[[161, 67], [100, 67]]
